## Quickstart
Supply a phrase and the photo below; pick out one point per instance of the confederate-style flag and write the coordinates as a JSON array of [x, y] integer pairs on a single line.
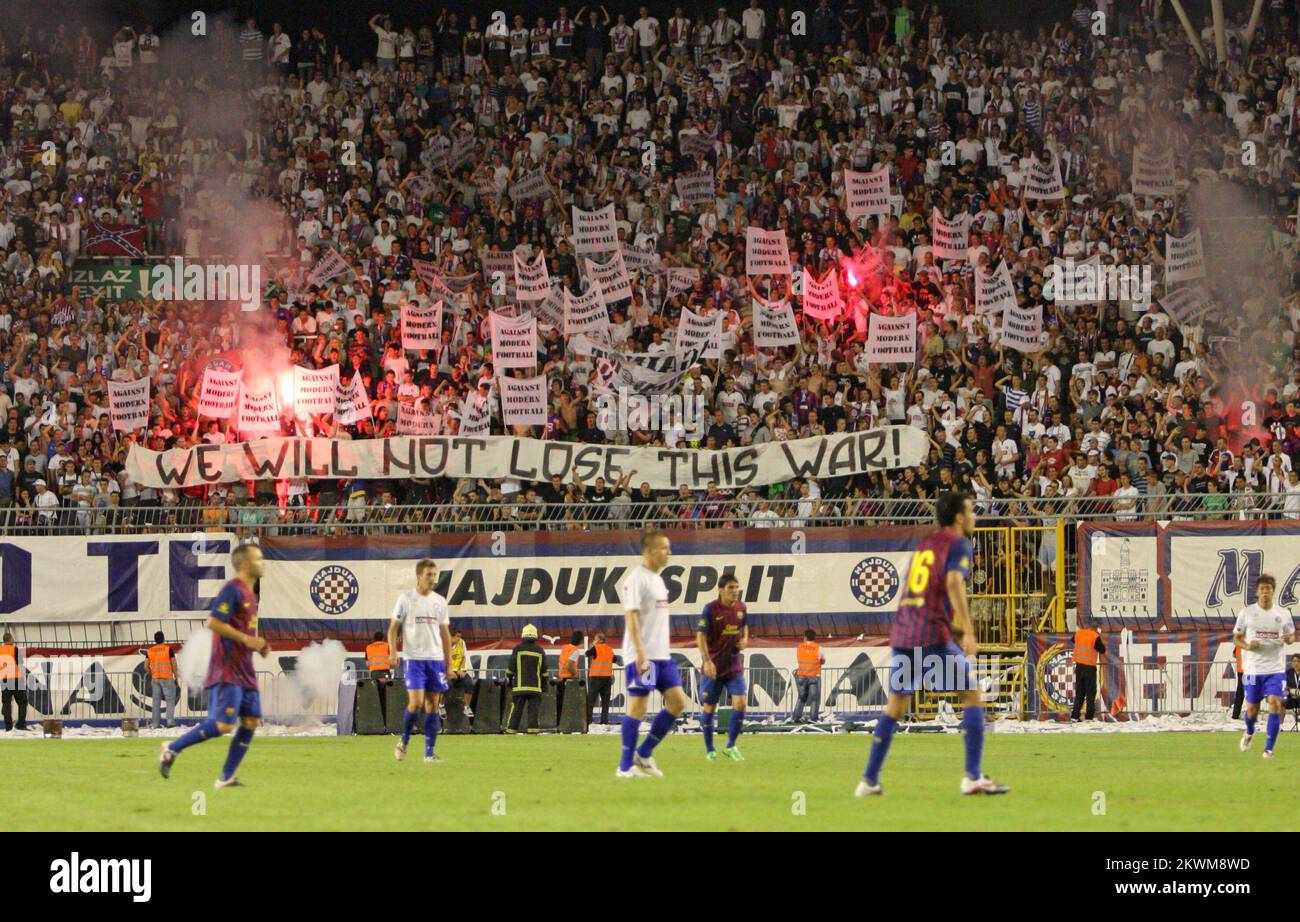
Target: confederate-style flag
[[115, 239]]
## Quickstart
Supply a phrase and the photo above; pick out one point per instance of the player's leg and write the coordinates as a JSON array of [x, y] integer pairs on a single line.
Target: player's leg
[[1254, 695], [899, 685], [1274, 686], [250, 717], [669, 683], [735, 688], [432, 722], [710, 692], [223, 706], [637, 702], [960, 669]]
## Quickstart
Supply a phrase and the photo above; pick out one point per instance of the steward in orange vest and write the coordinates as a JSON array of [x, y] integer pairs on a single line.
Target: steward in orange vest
[[161, 660], [1087, 645], [569, 671], [808, 676], [600, 677], [379, 663], [12, 686]]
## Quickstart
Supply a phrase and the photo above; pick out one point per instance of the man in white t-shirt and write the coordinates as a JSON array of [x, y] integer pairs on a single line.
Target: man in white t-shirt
[[1262, 631], [644, 597], [421, 619]]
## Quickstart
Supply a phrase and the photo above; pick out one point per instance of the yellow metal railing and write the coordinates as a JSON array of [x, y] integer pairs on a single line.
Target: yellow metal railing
[[1017, 581]]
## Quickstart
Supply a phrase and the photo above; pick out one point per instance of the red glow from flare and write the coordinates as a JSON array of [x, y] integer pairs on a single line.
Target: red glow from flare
[[286, 389]]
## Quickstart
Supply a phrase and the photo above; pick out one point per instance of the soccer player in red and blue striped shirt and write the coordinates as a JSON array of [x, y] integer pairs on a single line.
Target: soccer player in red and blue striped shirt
[[932, 619], [232, 682]]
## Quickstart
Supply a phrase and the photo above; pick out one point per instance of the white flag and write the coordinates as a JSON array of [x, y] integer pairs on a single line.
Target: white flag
[[523, 400], [696, 332], [259, 411], [594, 231], [313, 389], [994, 291], [1184, 258], [950, 238], [219, 393], [891, 339], [330, 267], [1187, 306], [766, 252], [514, 342], [866, 193], [475, 415], [821, 299], [411, 420], [421, 327], [680, 280], [1043, 181], [774, 325], [351, 403], [532, 281], [1153, 171], [1022, 328], [586, 313], [128, 404], [696, 189], [611, 276], [533, 185]]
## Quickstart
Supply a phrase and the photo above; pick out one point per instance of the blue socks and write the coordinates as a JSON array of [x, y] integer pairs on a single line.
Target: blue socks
[[408, 725], [659, 728], [1274, 725], [204, 731], [880, 741], [631, 728], [733, 726], [1250, 725], [706, 724], [973, 723], [238, 749], [432, 724]]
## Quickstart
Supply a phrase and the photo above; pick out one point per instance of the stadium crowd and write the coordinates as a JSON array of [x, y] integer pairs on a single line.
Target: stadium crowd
[[1120, 404]]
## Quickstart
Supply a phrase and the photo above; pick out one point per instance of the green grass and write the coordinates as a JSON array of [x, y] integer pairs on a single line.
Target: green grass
[[1175, 781]]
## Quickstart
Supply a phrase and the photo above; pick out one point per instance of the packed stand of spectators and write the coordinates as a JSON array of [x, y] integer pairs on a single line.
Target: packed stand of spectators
[[1120, 403]]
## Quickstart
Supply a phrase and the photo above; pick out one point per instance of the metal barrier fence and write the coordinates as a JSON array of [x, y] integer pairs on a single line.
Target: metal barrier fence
[[515, 512], [858, 692]]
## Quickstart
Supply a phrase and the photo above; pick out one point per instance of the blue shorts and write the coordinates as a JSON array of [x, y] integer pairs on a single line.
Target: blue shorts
[[228, 702], [937, 667], [428, 675], [1259, 687], [711, 689], [663, 675]]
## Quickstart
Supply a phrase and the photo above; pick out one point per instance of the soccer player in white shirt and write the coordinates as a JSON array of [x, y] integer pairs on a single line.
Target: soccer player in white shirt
[[1261, 631], [420, 618], [649, 664]]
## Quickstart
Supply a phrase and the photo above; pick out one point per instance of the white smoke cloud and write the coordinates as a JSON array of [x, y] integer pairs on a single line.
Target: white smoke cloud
[[194, 656]]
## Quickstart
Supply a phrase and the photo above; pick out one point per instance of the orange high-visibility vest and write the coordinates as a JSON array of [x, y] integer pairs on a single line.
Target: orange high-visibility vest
[[810, 659], [568, 668], [1085, 647], [603, 663], [377, 658], [160, 661], [1237, 652], [8, 661]]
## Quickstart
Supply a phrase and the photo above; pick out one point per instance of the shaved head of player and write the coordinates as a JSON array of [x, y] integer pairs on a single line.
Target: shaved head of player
[[932, 619], [1262, 630], [644, 598]]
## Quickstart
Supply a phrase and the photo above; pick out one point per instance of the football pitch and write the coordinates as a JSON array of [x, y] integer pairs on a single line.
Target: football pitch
[[800, 782]]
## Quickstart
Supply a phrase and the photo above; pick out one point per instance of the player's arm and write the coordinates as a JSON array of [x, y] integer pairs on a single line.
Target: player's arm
[[395, 630], [702, 643], [962, 628], [446, 640], [632, 630]]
